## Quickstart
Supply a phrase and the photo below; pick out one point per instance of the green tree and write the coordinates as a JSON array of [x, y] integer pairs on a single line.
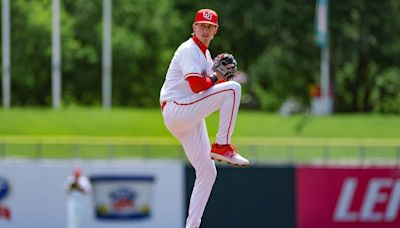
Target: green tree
[[81, 25], [272, 41], [30, 52], [364, 48], [143, 33]]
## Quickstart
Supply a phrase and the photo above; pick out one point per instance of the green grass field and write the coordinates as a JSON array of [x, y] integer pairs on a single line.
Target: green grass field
[[149, 123], [97, 133]]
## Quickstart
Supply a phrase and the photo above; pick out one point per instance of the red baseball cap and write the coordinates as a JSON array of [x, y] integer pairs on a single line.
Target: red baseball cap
[[206, 16], [77, 172]]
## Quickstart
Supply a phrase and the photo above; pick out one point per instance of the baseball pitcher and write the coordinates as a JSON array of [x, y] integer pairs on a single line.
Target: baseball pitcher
[[196, 86]]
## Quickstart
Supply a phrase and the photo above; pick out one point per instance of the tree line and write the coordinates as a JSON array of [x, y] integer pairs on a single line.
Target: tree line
[[273, 42]]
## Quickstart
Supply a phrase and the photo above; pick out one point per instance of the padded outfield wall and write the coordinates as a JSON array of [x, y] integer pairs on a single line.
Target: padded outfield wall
[[259, 196], [303, 196], [150, 194], [284, 196]]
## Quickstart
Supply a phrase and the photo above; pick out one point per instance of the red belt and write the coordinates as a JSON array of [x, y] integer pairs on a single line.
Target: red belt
[[163, 105]]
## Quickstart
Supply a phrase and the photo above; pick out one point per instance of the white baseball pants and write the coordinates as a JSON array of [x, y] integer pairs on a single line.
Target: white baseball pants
[[75, 209], [185, 119]]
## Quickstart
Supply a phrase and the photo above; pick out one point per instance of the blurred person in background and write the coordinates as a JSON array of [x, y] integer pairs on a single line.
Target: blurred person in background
[[77, 187]]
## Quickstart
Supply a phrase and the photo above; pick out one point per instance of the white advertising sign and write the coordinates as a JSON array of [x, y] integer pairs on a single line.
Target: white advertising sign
[[140, 194]]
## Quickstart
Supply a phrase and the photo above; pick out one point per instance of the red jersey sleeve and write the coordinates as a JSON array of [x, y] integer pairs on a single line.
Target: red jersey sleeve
[[198, 84]]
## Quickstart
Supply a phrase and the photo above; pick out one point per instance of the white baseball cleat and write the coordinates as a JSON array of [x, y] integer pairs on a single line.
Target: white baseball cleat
[[228, 154]]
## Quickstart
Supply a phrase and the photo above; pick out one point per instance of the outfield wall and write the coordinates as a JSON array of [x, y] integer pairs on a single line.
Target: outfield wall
[[348, 197], [303, 196], [259, 196], [34, 194], [284, 196]]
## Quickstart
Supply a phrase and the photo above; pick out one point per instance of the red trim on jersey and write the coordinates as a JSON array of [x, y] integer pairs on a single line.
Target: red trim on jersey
[[198, 84], [202, 46], [192, 74], [233, 107], [163, 105]]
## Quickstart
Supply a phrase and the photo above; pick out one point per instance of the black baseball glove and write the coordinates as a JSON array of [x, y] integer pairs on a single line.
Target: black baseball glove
[[226, 64]]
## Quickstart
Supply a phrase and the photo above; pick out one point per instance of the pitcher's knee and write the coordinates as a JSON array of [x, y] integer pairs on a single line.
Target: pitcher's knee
[[207, 173], [236, 88], [234, 85], [213, 174]]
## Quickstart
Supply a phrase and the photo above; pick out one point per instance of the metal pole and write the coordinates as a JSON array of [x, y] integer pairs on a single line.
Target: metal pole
[[56, 55], [38, 151], [325, 81], [323, 41], [107, 62], [3, 148], [362, 155], [289, 157], [6, 53], [254, 152], [110, 152], [75, 151], [326, 154], [146, 151]]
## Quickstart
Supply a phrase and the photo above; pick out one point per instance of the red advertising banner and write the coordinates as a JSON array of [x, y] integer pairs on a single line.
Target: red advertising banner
[[348, 197]]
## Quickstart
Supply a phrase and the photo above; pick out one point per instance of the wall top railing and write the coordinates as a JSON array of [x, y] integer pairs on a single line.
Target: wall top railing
[[260, 141], [263, 150]]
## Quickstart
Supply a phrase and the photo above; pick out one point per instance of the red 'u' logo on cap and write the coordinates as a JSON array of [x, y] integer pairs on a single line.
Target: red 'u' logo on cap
[[207, 15]]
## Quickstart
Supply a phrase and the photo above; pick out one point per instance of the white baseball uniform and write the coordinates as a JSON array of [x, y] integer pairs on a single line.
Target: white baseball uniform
[[184, 115]]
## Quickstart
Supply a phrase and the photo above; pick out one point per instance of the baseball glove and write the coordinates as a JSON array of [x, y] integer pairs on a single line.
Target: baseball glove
[[226, 64]]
